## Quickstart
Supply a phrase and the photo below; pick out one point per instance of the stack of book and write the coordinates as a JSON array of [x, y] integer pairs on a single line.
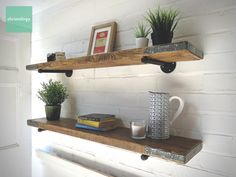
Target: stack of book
[[97, 122]]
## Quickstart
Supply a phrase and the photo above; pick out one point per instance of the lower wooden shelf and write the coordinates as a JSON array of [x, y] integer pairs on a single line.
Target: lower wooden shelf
[[177, 149]]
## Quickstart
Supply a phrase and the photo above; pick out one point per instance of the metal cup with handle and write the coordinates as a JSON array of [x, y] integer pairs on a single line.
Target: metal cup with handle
[[159, 121]]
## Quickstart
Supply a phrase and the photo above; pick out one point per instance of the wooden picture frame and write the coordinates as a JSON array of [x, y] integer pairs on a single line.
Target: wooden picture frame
[[102, 38]]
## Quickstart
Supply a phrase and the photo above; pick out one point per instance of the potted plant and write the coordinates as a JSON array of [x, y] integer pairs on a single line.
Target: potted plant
[[53, 94], [141, 32], [163, 23]]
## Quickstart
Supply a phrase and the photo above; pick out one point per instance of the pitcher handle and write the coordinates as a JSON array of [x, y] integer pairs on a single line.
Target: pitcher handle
[[180, 108]]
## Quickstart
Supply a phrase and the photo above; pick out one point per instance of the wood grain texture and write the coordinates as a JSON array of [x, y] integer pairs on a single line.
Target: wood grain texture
[[181, 51], [177, 149]]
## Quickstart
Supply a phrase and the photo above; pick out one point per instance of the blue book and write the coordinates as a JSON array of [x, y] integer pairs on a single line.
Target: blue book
[[78, 125]]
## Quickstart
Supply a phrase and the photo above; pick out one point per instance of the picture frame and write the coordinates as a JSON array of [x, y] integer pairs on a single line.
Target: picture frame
[[102, 38]]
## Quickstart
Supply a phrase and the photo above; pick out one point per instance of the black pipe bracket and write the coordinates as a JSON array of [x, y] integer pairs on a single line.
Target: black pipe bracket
[[166, 67], [68, 73], [41, 130], [144, 157]]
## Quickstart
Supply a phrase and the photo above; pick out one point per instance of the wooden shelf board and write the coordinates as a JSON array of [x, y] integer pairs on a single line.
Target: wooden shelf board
[[177, 149], [180, 51]]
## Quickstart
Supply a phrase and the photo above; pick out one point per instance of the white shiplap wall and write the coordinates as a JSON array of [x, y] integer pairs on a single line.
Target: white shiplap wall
[[208, 86]]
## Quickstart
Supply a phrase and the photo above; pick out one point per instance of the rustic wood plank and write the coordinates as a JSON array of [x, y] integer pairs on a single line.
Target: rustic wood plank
[[181, 51], [177, 149]]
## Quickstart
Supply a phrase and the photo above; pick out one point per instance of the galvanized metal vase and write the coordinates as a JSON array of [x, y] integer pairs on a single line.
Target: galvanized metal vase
[[159, 123]]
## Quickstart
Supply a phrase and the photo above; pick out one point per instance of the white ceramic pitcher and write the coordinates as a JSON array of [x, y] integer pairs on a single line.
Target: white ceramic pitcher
[[159, 121]]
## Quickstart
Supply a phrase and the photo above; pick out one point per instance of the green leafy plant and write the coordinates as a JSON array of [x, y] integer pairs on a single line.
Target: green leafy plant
[[52, 93], [162, 20], [141, 31]]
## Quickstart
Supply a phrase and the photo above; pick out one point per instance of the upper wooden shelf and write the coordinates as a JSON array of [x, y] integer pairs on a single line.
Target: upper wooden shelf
[[180, 51], [177, 149]]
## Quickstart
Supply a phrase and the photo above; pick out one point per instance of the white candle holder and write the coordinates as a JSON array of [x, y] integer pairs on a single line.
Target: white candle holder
[[138, 129]]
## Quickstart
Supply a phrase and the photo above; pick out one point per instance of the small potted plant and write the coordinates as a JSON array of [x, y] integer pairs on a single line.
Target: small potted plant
[[141, 33], [53, 94], [163, 23]]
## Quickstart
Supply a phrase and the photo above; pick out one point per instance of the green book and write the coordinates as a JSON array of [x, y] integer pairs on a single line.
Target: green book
[[97, 117]]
